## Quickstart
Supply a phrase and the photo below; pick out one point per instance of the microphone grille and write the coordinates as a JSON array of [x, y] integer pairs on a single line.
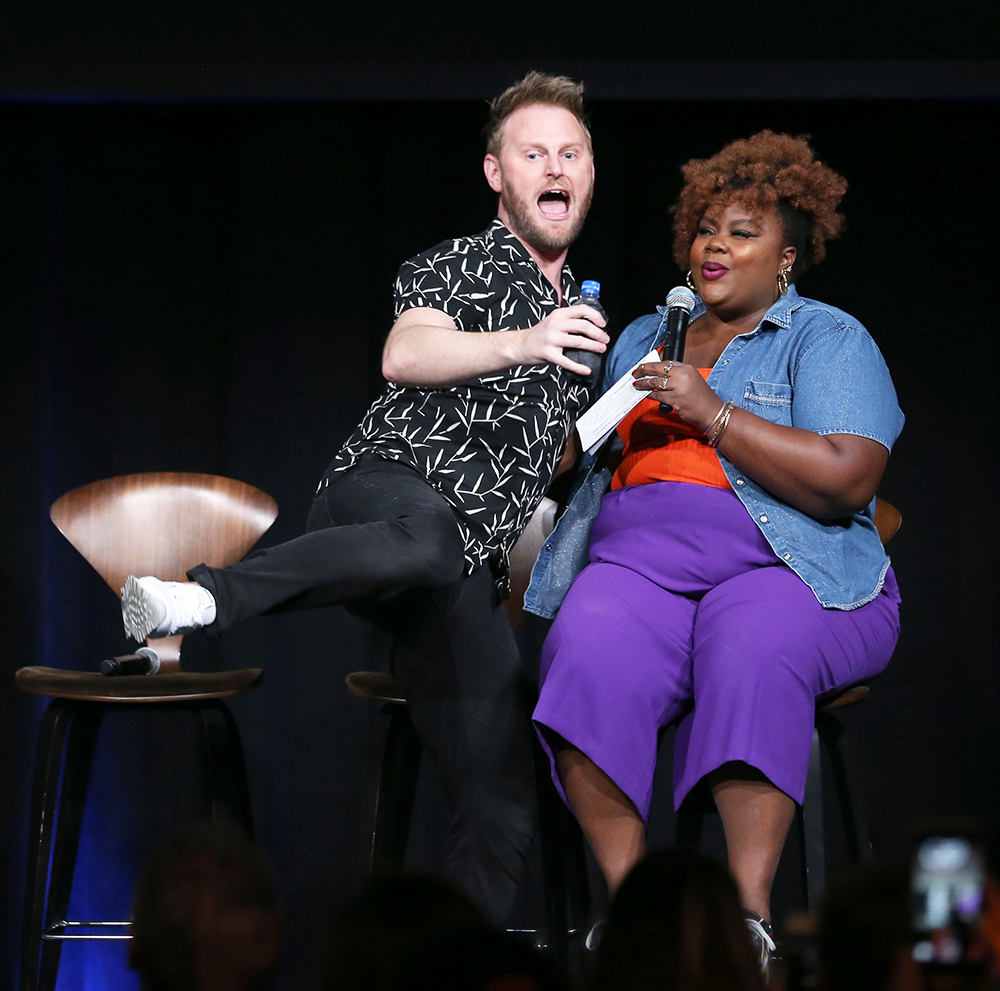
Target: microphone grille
[[680, 296], [154, 658]]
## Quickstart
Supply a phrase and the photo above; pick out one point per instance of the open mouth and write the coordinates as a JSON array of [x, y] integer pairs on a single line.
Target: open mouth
[[553, 204]]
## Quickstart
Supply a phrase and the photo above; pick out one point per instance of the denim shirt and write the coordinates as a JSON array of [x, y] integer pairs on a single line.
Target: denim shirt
[[805, 365]]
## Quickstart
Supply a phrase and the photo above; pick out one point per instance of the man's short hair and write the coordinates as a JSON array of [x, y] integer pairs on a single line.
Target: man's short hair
[[535, 88]]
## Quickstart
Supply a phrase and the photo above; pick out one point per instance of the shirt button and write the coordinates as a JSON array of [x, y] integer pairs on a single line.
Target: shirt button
[[548, 547], [763, 519], [739, 481], [788, 557], [726, 362]]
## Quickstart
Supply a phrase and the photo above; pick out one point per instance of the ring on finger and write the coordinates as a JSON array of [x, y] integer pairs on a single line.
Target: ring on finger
[[669, 368], [663, 383]]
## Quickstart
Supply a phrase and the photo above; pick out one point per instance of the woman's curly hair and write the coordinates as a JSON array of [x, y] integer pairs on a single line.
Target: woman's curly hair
[[763, 171]]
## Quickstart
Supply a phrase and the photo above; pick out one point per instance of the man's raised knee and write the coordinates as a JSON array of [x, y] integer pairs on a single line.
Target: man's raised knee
[[435, 554]]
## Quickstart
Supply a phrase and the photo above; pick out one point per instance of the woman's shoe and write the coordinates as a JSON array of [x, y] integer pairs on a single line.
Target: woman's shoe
[[763, 940]]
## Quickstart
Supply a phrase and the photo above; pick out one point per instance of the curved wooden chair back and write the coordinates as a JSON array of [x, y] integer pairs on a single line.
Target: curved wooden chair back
[[888, 520], [162, 523]]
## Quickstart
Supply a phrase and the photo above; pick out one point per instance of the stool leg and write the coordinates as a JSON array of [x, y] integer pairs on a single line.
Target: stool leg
[[79, 752], [226, 793], [564, 864], [810, 818], [44, 793], [393, 785], [689, 825], [849, 803]]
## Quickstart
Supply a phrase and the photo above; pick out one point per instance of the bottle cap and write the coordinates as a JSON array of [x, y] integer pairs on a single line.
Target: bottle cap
[[591, 288]]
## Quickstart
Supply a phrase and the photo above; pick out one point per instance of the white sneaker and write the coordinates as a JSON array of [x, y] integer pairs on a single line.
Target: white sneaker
[[151, 608], [762, 936]]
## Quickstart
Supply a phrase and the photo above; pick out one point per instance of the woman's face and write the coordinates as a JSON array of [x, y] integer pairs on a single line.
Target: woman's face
[[736, 256]]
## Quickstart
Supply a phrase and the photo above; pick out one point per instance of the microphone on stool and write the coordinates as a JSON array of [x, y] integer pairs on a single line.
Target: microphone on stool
[[144, 661], [680, 303]]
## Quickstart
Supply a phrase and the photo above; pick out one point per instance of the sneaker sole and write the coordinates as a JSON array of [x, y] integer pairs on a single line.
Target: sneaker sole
[[142, 612]]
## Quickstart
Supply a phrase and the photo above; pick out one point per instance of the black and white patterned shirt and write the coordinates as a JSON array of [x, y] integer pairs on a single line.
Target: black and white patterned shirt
[[490, 445]]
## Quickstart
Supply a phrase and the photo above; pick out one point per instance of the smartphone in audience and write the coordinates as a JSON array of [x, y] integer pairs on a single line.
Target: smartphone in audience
[[946, 889]]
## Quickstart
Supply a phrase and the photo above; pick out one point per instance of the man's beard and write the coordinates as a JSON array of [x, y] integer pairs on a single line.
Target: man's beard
[[523, 222]]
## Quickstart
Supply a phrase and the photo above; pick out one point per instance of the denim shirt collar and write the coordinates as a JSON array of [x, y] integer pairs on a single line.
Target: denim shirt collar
[[780, 313]]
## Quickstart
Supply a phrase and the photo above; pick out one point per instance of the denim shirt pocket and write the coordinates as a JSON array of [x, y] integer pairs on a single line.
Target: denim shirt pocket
[[771, 400]]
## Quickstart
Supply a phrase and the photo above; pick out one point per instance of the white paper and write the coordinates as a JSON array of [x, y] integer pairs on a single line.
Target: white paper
[[595, 426]]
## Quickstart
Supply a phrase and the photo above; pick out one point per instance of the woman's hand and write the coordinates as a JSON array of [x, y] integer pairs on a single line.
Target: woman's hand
[[682, 387], [827, 476]]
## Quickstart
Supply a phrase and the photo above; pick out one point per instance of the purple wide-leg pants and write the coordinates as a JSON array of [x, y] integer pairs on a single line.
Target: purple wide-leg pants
[[684, 601]]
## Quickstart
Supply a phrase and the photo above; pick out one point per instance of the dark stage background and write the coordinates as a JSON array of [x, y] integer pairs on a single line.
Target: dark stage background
[[206, 287]]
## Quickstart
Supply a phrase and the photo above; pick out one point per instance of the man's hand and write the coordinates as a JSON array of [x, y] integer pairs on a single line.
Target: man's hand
[[576, 326], [426, 349]]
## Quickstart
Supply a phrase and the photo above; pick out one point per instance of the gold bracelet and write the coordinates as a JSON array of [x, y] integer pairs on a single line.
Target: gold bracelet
[[713, 441], [721, 428], [711, 426]]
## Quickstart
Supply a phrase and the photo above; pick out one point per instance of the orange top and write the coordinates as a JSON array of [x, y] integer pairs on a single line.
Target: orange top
[[663, 448]]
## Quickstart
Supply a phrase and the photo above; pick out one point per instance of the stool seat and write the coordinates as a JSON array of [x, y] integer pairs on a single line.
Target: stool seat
[[856, 693], [171, 686], [378, 686], [375, 686]]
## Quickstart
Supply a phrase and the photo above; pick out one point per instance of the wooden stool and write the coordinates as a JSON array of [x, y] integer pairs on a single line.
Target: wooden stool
[[397, 752], [395, 765], [159, 523], [828, 736]]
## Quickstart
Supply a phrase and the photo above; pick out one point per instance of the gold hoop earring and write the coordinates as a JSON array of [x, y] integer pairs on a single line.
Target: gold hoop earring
[[689, 282], [782, 282]]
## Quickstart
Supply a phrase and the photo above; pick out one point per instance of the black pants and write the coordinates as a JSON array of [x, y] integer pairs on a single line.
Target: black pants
[[382, 542]]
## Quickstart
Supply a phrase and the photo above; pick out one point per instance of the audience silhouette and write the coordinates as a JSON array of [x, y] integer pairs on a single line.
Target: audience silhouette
[[676, 924], [205, 914]]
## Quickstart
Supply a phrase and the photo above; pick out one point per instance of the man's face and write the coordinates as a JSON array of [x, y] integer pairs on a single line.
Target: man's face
[[544, 175]]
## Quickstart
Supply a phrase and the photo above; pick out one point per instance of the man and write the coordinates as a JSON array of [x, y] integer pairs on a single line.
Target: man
[[416, 515]]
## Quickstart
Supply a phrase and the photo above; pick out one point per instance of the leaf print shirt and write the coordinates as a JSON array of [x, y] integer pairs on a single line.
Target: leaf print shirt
[[489, 445]]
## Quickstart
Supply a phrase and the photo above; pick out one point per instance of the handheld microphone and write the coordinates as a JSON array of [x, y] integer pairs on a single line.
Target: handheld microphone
[[144, 661], [680, 303]]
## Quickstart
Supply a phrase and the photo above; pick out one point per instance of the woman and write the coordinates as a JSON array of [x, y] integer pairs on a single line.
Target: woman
[[734, 564]]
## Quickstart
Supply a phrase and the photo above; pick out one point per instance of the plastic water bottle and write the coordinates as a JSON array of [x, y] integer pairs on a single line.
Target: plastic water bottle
[[590, 294]]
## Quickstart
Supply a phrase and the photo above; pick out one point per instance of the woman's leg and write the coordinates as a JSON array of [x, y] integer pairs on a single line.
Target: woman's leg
[[615, 669], [756, 818], [764, 650], [607, 816]]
